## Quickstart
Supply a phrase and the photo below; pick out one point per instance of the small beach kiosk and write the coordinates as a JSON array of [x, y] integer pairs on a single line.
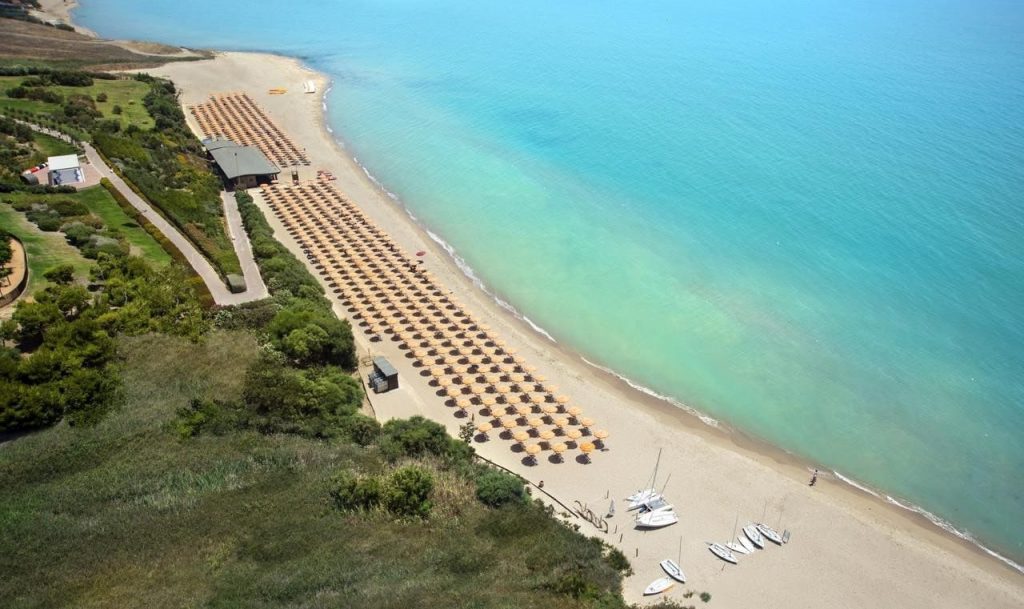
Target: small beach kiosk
[[241, 166], [64, 170], [384, 376]]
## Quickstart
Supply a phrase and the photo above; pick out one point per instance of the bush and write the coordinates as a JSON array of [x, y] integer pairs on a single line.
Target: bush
[[414, 437], [496, 488], [406, 492], [311, 336], [361, 429], [62, 275], [351, 492], [619, 562], [116, 109], [101, 97], [705, 596]]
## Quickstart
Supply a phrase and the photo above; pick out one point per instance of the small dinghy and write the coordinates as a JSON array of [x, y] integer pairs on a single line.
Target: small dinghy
[[770, 533], [656, 520], [754, 535], [736, 547], [642, 501], [749, 547], [658, 586], [672, 568], [722, 552]]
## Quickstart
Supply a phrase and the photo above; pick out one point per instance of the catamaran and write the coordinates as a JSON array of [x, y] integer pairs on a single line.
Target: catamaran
[[754, 535], [722, 552], [770, 533], [658, 586], [656, 520]]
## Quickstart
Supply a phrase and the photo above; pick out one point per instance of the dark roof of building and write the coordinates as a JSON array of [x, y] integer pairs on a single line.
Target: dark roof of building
[[384, 366], [235, 160]]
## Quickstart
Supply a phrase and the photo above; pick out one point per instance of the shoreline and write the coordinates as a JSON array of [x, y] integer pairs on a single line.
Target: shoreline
[[572, 367], [791, 464]]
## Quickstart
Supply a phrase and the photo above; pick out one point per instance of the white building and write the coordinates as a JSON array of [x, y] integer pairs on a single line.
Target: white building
[[64, 170]]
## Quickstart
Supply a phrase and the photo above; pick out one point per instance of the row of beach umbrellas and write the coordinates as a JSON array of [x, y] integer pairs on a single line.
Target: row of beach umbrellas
[[390, 295], [237, 117]]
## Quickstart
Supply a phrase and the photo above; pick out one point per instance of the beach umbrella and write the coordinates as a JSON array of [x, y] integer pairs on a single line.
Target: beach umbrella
[[562, 422], [477, 389], [521, 436], [503, 389], [523, 410], [444, 381], [586, 421], [492, 378], [484, 428], [562, 399], [558, 449], [488, 400], [586, 448], [537, 398], [509, 423], [535, 422], [549, 409], [574, 434], [533, 450], [437, 370], [547, 434], [601, 434], [575, 411], [462, 403]]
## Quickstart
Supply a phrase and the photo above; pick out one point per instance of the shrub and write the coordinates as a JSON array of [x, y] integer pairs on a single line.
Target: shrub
[[361, 429], [62, 275], [101, 97], [310, 336], [116, 109], [351, 492], [67, 208], [705, 596], [406, 492], [496, 488], [414, 437], [619, 562]]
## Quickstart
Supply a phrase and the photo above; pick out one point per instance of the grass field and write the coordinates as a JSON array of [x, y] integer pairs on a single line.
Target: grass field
[[44, 250], [125, 93], [100, 203], [51, 146], [126, 514]]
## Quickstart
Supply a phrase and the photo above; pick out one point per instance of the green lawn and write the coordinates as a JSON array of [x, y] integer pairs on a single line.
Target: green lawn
[[125, 93], [45, 250], [51, 146], [100, 203]]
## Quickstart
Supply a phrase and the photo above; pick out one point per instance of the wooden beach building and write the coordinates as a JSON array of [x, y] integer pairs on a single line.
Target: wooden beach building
[[241, 166]]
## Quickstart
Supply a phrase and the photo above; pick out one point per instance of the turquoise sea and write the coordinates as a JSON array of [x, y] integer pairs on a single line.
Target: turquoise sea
[[804, 218]]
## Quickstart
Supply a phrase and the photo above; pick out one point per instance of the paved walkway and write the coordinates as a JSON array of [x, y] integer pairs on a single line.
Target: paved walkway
[[256, 289]]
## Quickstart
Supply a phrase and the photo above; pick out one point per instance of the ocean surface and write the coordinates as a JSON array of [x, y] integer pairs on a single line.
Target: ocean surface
[[804, 218]]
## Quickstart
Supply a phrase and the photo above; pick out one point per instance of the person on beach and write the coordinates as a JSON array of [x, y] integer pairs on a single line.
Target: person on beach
[[814, 477]]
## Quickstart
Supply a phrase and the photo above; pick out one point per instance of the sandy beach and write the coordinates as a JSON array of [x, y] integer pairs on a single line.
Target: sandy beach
[[848, 549]]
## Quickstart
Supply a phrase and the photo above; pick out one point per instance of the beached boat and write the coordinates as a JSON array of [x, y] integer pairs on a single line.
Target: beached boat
[[749, 547], [641, 496], [736, 547], [656, 520], [672, 568], [644, 500], [770, 533], [754, 535], [722, 552], [658, 586], [655, 504]]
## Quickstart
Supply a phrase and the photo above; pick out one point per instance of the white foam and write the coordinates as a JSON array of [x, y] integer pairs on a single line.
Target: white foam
[[707, 420], [939, 522]]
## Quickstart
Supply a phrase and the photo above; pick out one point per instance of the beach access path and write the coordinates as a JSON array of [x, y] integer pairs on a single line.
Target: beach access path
[[255, 288]]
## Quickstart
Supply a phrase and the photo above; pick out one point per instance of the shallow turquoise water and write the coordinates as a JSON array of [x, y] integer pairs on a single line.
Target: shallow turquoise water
[[801, 217]]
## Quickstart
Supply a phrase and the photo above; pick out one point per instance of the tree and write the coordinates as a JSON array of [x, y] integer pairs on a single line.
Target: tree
[[406, 492], [33, 319], [311, 336], [62, 275], [496, 488], [361, 429]]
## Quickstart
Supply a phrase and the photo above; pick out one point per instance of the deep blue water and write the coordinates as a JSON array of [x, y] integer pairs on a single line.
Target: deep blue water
[[802, 217]]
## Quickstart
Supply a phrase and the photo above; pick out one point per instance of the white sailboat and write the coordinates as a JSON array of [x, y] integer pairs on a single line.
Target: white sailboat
[[638, 498], [736, 547], [770, 533], [749, 547], [672, 567], [656, 520], [722, 552], [754, 535], [658, 586]]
